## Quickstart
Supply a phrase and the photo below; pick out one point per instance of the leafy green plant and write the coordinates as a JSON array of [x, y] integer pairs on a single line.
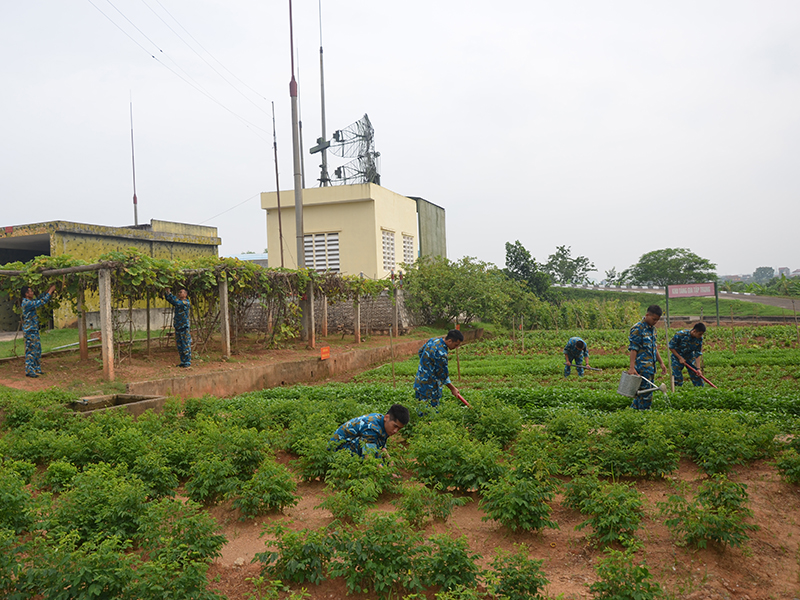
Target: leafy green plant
[[345, 505], [518, 503], [15, 501], [788, 465], [104, 501], [716, 514], [614, 511], [299, 556], [271, 488], [622, 577], [515, 576], [378, 557], [176, 532], [447, 563], [450, 458], [365, 478], [59, 475], [419, 503], [212, 478]]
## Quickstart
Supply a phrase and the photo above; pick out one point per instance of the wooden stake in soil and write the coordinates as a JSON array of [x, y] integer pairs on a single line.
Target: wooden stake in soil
[[733, 332], [797, 328], [391, 349], [458, 367], [84, 343]]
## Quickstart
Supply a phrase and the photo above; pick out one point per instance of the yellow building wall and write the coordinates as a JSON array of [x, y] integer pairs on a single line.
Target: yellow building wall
[[182, 242], [357, 212]]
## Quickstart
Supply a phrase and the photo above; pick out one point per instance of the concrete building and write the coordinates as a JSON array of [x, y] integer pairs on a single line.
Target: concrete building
[[352, 229], [159, 239]]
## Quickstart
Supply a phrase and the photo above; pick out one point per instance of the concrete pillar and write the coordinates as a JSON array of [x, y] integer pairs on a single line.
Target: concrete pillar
[[82, 340], [106, 326], [224, 315]]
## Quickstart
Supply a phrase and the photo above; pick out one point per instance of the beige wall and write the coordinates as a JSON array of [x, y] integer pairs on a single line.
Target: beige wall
[[357, 213]]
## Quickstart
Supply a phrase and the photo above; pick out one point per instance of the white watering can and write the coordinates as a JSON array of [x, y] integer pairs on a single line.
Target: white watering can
[[629, 385]]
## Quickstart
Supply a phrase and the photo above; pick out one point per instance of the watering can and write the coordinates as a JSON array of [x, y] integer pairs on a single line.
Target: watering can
[[629, 385]]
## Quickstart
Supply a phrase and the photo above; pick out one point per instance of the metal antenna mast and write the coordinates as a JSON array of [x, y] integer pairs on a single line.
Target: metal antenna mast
[[298, 184], [133, 168], [277, 183], [324, 179]]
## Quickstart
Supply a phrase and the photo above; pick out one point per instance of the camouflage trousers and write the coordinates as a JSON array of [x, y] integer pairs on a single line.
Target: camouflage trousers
[[183, 338], [33, 353], [677, 373]]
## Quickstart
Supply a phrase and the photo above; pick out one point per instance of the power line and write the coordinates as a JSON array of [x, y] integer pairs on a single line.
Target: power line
[[230, 209], [210, 66], [195, 85]]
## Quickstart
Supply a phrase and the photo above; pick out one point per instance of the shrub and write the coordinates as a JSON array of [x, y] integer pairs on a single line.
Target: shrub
[[419, 503], [271, 488], [211, 479], [345, 505], [103, 501], [615, 513], [365, 478], [155, 472], [300, 556], [621, 578], [378, 557], [62, 568], [515, 576], [315, 457], [59, 475], [452, 459], [518, 503], [715, 515], [788, 465], [447, 562], [178, 532]]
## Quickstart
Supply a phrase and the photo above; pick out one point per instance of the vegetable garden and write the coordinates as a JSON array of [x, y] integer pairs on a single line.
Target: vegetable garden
[[546, 488]]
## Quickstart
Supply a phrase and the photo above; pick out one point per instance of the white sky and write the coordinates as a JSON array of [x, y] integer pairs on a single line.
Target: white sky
[[613, 127]]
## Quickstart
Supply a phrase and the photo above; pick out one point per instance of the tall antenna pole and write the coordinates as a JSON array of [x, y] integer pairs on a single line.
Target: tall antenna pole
[[133, 167], [277, 183], [300, 131], [298, 184], [324, 179]]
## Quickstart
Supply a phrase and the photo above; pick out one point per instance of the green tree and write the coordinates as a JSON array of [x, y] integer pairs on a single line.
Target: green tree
[[563, 268], [670, 266], [763, 275], [522, 267], [440, 290]]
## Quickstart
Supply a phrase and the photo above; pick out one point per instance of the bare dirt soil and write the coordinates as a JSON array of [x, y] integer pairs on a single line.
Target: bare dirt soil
[[767, 568]]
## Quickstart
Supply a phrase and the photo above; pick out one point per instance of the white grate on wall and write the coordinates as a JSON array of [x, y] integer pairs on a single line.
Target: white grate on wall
[[388, 250], [322, 251], [408, 249]]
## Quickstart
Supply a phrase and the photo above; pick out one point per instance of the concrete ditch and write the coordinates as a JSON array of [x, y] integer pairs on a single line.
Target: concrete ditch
[[231, 383]]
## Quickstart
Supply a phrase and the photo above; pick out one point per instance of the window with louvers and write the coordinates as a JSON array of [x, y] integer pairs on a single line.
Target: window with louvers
[[322, 251]]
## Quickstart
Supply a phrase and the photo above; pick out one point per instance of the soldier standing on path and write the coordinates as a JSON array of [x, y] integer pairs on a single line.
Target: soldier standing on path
[[30, 328], [180, 321]]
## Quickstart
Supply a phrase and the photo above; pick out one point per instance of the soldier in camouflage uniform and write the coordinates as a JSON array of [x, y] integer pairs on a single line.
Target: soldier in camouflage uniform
[[30, 328], [643, 353], [370, 432], [576, 350], [686, 346], [433, 372], [180, 321]]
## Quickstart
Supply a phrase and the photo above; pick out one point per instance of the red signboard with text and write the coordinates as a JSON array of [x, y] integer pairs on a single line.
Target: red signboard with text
[[325, 353], [690, 290]]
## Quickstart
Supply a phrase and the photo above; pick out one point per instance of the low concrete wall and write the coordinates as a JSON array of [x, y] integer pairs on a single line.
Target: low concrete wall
[[230, 383]]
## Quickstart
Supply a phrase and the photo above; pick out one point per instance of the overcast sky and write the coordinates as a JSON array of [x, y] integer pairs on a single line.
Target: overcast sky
[[612, 127]]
